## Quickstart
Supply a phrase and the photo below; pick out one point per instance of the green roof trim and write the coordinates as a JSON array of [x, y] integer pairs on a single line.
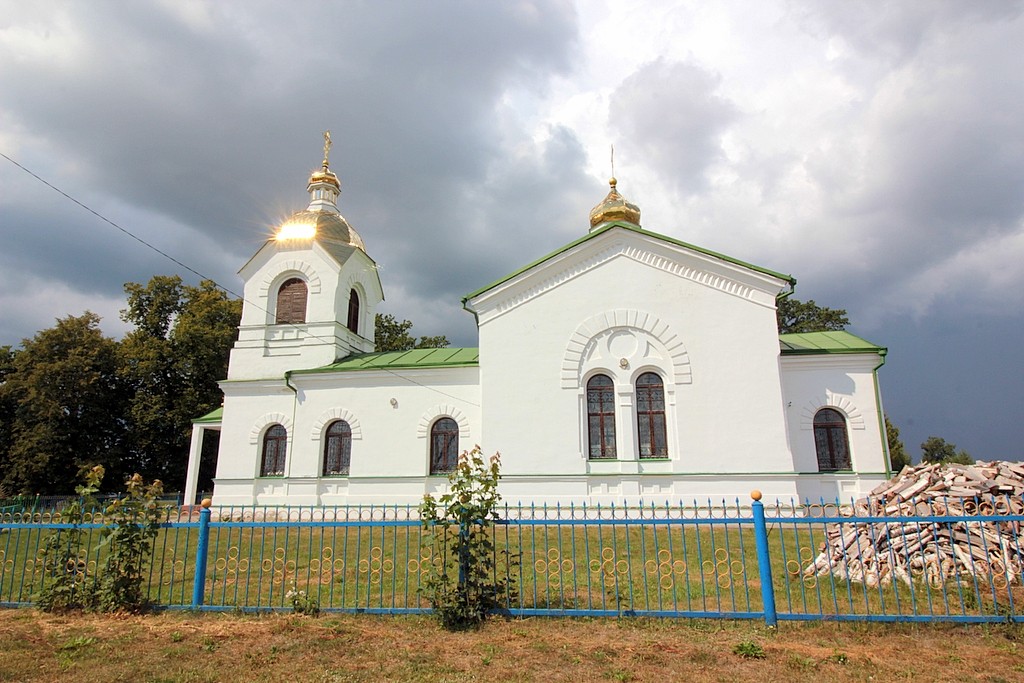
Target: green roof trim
[[214, 416], [640, 231], [808, 343], [395, 360]]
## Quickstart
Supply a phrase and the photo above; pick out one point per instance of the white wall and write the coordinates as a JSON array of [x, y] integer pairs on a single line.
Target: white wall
[[707, 327], [845, 382], [390, 442]]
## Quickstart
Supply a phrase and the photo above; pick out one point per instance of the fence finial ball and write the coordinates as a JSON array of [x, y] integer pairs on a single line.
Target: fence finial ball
[[206, 503], [755, 494]]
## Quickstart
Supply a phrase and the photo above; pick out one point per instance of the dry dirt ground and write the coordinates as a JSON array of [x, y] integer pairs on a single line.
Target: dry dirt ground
[[180, 646]]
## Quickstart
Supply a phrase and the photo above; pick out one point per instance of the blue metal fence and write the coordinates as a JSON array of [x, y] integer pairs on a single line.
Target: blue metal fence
[[783, 562]]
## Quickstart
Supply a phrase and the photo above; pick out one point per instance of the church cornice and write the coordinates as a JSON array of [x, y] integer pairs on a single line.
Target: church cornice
[[681, 261]]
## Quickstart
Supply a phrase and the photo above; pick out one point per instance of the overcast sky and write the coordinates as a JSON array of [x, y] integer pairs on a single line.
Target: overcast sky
[[875, 150]]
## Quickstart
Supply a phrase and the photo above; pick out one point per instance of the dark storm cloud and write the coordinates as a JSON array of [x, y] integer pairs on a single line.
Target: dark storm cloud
[[939, 162], [670, 112], [195, 125], [213, 122], [522, 208], [922, 213]]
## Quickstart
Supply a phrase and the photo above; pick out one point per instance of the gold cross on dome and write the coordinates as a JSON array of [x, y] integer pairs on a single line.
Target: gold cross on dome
[[327, 146]]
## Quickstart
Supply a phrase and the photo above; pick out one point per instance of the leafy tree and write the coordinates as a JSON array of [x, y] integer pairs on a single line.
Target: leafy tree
[[391, 335], [7, 409], [937, 449], [172, 361], [806, 316], [68, 405], [898, 458]]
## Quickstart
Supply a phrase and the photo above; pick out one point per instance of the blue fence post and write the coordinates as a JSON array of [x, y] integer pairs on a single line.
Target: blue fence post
[[764, 562], [199, 581]]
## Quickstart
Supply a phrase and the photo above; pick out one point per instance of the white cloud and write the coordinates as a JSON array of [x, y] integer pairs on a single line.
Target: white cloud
[[35, 304]]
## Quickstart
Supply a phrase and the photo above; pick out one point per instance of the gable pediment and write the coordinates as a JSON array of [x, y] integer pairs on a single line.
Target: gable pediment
[[646, 250]]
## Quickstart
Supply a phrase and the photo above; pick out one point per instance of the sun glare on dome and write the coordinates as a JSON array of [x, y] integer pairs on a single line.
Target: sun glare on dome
[[296, 231]]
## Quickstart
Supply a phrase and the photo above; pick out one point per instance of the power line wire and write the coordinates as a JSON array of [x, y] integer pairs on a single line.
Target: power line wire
[[124, 230]]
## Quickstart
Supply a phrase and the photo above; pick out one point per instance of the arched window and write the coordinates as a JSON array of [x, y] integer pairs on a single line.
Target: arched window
[[601, 417], [444, 446], [353, 311], [830, 441], [650, 416], [337, 448], [275, 447], [291, 302]]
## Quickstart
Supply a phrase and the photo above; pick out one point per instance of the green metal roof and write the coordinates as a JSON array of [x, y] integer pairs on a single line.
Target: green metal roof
[[826, 342], [632, 228], [213, 416], [394, 360]]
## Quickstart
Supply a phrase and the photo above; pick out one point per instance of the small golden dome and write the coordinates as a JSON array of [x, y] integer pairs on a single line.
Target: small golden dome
[[324, 175], [614, 207]]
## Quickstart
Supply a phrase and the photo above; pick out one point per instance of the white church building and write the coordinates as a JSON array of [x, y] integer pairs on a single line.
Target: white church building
[[625, 366]]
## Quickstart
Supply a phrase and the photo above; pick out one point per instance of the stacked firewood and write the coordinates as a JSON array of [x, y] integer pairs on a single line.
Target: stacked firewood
[[954, 542]]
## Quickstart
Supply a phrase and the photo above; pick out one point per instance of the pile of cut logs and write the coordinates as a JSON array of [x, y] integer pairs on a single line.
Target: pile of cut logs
[[953, 542]]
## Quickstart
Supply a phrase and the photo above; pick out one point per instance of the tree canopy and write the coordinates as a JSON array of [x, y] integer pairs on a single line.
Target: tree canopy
[[392, 335], [68, 405], [172, 362], [806, 316], [72, 398], [937, 449], [898, 458]]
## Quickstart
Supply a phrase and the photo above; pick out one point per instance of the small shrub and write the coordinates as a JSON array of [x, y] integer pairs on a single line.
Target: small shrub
[[130, 525], [748, 649], [77, 643], [302, 602], [464, 582], [64, 554]]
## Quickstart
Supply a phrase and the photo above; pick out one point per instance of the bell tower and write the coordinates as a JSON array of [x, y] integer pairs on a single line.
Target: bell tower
[[311, 291]]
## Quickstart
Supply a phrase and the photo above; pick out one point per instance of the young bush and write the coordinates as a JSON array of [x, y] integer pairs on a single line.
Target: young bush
[[464, 582], [65, 555], [130, 525]]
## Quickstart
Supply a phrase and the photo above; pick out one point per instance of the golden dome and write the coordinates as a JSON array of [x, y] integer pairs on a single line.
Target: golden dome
[[321, 220], [324, 226], [324, 175], [614, 207]]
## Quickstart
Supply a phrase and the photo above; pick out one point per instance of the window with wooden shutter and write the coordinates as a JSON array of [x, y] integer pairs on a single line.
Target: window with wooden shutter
[[291, 302]]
